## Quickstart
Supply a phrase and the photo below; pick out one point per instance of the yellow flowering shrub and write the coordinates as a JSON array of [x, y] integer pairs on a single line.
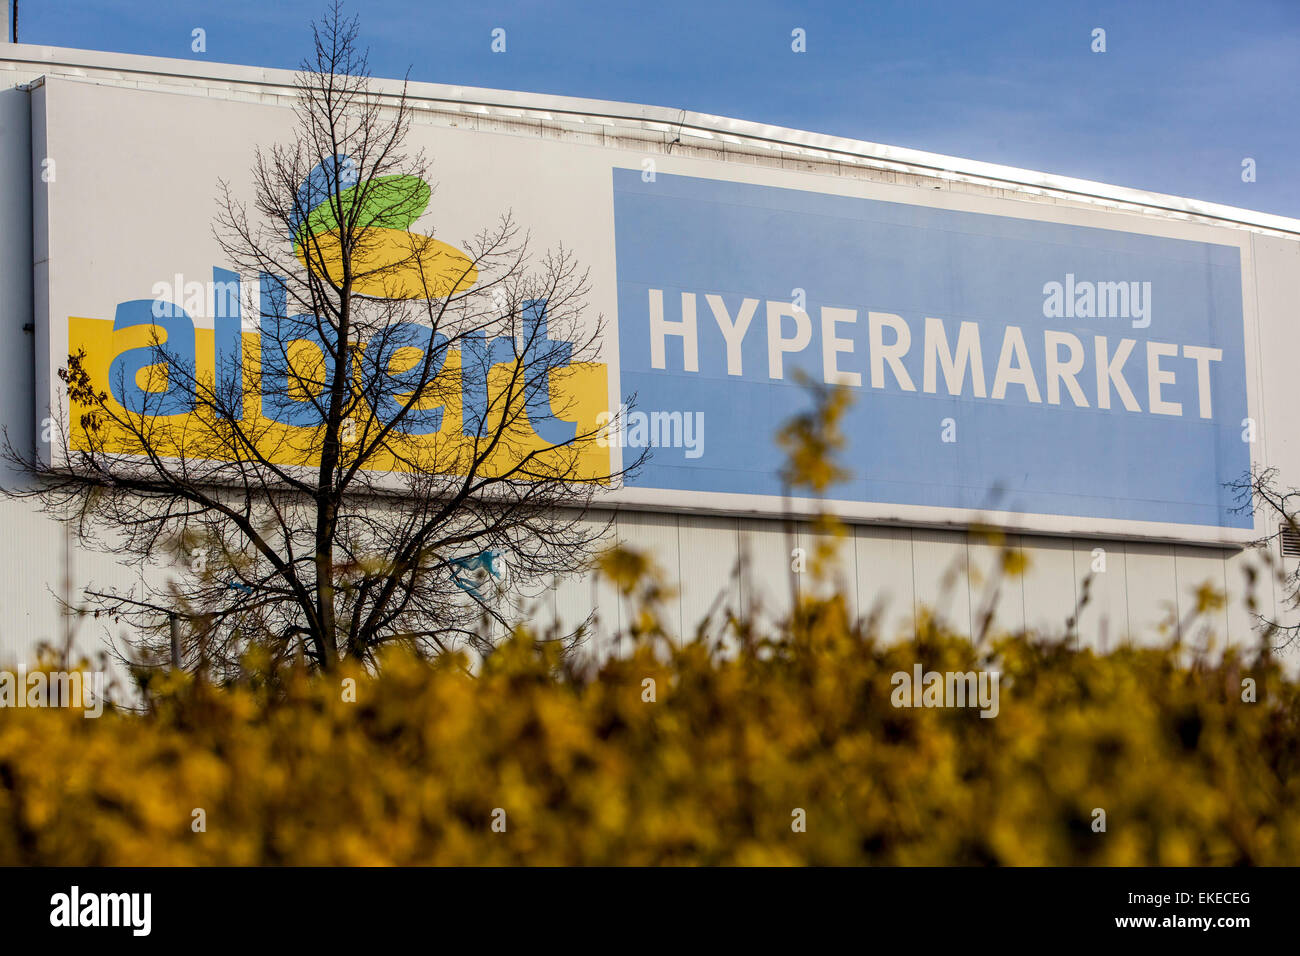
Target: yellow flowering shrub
[[787, 749], [787, 752]]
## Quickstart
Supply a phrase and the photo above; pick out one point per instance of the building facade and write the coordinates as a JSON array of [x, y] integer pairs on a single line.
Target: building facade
[[1084, 367]]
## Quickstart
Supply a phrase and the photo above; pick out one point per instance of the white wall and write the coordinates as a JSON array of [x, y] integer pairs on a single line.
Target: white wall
[[35, 557], [1143, 592]]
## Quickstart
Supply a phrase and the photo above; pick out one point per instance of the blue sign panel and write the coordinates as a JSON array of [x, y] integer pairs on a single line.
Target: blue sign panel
[[997, 363]]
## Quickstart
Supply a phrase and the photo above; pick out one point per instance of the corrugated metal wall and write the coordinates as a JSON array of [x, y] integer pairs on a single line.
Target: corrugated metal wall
[[1139, 592]]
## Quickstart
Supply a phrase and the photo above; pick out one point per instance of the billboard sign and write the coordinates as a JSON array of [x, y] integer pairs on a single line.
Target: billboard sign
[[996, 362], [1054, 369]]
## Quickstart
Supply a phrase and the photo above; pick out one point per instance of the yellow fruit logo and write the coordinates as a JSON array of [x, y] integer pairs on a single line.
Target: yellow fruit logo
[[388, 261]]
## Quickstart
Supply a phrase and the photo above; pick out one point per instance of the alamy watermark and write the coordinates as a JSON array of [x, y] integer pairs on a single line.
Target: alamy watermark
[[1098, 300], [947, 689], [662, 429], [133, 911], [79, 689]]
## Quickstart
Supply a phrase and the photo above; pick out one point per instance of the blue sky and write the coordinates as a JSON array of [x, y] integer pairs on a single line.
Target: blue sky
[[1185, 91]]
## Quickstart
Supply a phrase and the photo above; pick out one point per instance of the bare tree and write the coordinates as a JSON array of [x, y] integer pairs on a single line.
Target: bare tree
[[1260, 492], [402, 428]]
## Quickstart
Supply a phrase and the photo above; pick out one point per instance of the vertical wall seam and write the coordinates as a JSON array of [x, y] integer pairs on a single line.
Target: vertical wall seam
[[911, 564], [1128, 604], [681, 578], [1024, 607], [1074, 585], [1178, 591], [857, 600]]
